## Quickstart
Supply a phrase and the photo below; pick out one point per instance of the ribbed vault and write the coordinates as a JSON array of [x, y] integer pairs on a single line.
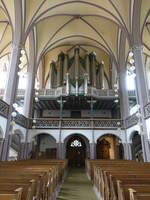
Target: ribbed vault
[[60, 25]]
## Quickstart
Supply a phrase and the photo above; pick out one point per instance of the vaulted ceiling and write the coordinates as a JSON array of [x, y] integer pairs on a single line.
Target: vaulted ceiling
[[60, 24]]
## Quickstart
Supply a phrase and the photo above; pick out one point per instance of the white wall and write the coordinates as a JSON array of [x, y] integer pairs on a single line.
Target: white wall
[[85, 132], [3, 122]]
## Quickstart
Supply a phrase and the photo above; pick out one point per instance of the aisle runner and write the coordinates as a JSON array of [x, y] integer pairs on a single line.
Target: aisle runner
[[77, 187]]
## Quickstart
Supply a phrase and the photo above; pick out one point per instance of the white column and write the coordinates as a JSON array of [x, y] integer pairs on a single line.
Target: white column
[[29, 93], [143, 97]]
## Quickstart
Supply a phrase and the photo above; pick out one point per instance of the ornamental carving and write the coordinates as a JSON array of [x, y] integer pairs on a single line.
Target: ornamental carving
[[147, 111], [132, 121], [4, 109], [21, 120], [66, 123]]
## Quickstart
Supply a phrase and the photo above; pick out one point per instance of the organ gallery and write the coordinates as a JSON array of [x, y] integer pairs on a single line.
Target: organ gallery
[[74, 99]]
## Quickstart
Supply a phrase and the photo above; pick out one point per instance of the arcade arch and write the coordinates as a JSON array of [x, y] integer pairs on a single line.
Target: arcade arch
[[44, 146], [76, 149], [109, 147]]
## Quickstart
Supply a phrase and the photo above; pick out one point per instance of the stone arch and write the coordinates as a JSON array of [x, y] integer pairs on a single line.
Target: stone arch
[[20, 134], [108, 133], [77, 137], [109, 146], [43, 146], [17, 138], [36, 133], [72, 133]]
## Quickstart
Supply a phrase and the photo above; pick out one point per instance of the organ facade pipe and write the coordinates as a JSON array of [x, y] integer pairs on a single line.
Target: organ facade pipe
[[60, 69], [65, 67], [87, 64], [51, 75], [76, 63], [93, 70], [101, 76]]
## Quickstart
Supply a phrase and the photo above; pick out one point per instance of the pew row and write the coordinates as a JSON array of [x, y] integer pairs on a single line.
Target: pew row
[[120, 180], [31, 179]]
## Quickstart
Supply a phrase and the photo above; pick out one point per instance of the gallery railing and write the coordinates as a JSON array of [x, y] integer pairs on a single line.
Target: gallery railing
[[76, 123], [54, 93], [4, 109], [147, 111], [132, 120]]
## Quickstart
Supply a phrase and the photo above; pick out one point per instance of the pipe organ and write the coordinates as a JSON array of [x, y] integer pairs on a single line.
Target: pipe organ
[[77, 73]]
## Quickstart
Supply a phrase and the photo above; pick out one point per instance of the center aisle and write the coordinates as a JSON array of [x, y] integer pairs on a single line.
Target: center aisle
[[77, 187]]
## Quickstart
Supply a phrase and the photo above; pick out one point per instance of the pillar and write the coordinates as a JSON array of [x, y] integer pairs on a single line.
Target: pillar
[[29, 92], [10, 92], [92, 150], [12, 78], [60, 150], [142, 97], [22, 151], [1, 146], [124, 100]]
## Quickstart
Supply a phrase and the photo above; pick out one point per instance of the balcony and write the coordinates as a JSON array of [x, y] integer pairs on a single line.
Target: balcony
[[55, 93], [77, 124]]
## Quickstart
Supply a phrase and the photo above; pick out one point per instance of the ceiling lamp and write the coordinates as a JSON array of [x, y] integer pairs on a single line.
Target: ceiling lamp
[[22, 58], [131, 54], [13, 114], [23, 52], [116, 100], [34, 121], [20, 66], [36, 99], [15, 105], [132, 61]]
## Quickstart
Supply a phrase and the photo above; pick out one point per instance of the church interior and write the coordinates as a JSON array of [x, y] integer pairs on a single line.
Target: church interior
[[74, 99]]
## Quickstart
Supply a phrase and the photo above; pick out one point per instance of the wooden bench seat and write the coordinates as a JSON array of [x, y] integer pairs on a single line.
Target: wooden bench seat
[[32, 179], [120, 180]]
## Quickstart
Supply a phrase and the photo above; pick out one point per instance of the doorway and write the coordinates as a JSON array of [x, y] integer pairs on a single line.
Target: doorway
[[76, 151]]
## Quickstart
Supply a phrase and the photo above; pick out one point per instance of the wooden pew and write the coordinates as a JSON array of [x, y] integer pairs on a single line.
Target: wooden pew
[[120, 180], [31, 179]]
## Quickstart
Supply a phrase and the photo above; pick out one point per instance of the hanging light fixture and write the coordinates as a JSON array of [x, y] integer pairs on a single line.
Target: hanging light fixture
[[23, 52], [36, 99], [20, 66], [131, 54], [116, 100], [132, 61], [15, 105], [14, 114]]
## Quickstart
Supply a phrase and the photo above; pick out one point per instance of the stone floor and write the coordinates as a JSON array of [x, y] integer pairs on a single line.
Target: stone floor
[[77, 187]]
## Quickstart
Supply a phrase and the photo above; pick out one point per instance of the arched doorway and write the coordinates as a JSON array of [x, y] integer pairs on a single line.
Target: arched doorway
[[76, 150], [137, 153], [44, 147], [15, 147], [109, 147]]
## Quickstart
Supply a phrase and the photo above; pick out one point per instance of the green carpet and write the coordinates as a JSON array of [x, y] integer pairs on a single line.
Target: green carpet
[[77, 186]]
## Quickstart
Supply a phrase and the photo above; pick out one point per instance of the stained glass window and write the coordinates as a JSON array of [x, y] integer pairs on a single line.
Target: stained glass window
[[76, 143]]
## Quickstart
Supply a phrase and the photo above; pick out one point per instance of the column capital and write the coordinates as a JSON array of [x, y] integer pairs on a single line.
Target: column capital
[[137, 47], [17, 46]]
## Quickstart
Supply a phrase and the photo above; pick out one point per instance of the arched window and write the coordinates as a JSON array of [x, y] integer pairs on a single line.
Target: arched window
[[76, 143]]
